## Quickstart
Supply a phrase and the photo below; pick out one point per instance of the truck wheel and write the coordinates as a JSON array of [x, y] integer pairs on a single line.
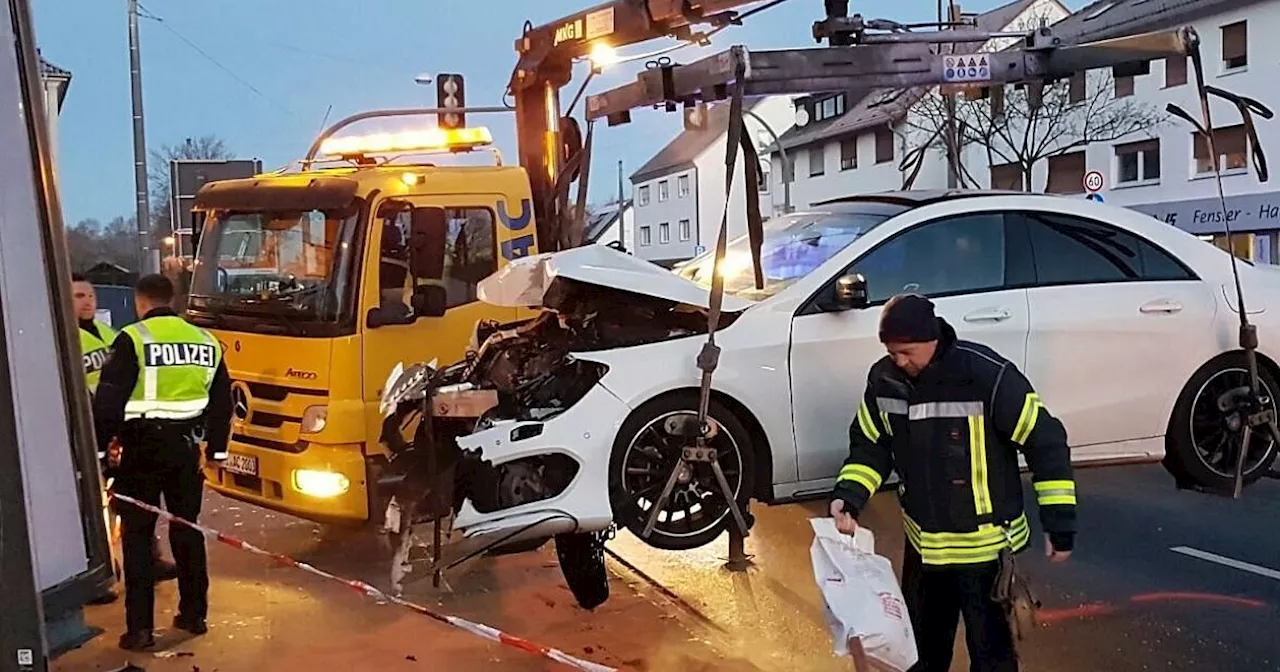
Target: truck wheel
[[581, 558], [1203, 441]]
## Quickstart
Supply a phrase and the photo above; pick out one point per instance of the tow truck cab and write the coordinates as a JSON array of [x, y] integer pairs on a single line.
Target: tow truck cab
[[316, 284]]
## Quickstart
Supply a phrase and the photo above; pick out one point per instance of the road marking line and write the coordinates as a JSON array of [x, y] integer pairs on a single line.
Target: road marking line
[[1228, 562]]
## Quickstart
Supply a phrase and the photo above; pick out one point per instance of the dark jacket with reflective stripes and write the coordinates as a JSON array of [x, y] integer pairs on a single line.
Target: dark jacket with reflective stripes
[[953, 434]]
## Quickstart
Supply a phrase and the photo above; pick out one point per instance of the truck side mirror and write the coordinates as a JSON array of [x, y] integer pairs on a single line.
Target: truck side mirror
[[428, 230], [430, 301], [850, 293]]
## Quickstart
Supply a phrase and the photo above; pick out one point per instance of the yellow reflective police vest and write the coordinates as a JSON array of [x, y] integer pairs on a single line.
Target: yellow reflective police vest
[[94, 350], [176, 364]]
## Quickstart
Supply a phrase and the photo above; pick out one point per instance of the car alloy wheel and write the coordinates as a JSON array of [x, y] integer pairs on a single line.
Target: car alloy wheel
[[1217, 435], [645, 455]]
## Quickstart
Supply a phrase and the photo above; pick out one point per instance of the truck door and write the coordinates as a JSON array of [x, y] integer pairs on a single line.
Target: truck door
[[477, 242]]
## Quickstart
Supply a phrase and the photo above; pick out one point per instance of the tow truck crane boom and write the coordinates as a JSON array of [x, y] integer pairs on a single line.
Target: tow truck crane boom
[[864, 54], [547, 141]]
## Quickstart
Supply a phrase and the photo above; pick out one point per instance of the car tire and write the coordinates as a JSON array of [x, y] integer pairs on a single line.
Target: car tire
[[738, 462], [1194, 450], [581, 557]]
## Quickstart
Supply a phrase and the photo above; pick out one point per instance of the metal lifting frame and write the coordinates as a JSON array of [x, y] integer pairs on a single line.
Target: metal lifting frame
[[891, 60]]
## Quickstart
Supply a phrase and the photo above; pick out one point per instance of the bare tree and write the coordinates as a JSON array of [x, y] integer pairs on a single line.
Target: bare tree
[[205, 148], [1021, 126], [91, 242]]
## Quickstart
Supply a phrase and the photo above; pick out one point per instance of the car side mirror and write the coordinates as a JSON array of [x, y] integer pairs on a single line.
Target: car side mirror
[[428, 231], [850, 293], [430, 301]]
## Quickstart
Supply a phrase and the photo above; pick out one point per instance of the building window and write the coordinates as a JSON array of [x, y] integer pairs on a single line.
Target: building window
[[884, 145], [1075, 88], [1232, 145], [1066, 174], [1235, 46], [849, 153], [664, 233], [765, 176], [1124, 86], [686, 231], [646, 237], [829, 108], [1175, 71], [664, 191], [1007, 176], [644, 195], [817, 160], [682, 186], [1138, 162]]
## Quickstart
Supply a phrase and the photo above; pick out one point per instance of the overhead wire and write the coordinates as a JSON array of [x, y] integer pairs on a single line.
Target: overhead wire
[[148, 14]]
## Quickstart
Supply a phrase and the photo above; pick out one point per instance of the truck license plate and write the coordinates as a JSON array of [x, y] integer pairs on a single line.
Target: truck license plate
[[241, 464]]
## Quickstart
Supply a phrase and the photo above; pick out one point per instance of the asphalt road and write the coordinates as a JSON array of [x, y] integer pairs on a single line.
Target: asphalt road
[[269, 617], [1125, 600]]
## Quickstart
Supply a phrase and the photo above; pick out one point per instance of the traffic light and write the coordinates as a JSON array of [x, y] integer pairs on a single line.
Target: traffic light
[[451, 94]]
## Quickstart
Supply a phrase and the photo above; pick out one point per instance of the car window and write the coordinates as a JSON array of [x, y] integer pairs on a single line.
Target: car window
[[1072, 250], [948, 256]]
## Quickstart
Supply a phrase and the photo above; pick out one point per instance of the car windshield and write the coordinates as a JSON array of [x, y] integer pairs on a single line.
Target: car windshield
[[793, 246], [290, 264]]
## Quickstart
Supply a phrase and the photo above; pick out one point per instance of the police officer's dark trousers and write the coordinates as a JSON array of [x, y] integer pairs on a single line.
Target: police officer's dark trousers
[[161, 460], [938, 596]]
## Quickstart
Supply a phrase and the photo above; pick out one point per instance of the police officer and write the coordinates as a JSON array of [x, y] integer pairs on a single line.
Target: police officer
[[951, 416], [96, 338], [163, 386]]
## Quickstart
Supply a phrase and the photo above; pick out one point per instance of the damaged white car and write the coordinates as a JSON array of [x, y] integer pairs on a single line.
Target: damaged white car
[[571, 422]]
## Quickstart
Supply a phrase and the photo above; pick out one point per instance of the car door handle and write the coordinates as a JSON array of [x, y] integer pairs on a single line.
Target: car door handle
[[988, 315], [1160, 306]]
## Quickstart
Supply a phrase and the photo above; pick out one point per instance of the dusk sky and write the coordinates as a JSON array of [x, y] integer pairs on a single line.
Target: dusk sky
[[275, 66]]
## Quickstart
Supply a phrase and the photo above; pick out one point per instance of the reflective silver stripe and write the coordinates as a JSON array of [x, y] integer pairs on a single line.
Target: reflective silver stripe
[[944, 409], [150, 374], [890, 405], [165, 410]]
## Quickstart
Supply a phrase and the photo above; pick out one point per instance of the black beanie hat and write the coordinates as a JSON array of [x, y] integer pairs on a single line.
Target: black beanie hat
[[909, 318]]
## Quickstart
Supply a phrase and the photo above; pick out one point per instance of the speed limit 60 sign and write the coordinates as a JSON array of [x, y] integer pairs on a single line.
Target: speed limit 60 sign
[[1093, 181]]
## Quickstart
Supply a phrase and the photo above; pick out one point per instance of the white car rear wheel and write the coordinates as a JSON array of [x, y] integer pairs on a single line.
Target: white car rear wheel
[[1204, 440], [645, 454]]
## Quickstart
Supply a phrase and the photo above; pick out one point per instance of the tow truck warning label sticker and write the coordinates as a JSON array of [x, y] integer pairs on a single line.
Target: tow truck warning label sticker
[[966, 68], [600, 24]]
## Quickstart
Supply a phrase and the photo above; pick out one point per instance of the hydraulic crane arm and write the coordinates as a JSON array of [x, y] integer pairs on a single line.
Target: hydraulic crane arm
[[546, 56]]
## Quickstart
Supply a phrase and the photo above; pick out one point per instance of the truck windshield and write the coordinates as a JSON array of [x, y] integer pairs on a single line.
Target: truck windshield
[[296, 267], [793, 246]]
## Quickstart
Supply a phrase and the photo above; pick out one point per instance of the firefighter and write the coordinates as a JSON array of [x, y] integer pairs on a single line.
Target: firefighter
[[163, 388], [96, 338], [951, 416]]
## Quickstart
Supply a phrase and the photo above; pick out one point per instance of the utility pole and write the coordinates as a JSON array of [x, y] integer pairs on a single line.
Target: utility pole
[[149, 260], [952, 137], [621, 210]]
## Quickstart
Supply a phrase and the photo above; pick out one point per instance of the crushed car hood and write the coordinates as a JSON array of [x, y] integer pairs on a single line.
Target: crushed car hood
[[523, 282]]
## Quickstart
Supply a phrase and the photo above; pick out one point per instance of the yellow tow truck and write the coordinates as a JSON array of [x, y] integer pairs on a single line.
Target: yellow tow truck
[[318, 282]]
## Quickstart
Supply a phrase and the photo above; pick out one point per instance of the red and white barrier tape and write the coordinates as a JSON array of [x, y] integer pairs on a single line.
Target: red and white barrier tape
[[479, 629]]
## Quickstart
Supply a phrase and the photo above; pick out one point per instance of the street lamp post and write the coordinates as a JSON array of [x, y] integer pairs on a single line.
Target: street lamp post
[[788, 169]]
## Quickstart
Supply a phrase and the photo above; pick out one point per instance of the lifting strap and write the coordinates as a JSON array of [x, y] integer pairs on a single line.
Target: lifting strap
[[709, 357]]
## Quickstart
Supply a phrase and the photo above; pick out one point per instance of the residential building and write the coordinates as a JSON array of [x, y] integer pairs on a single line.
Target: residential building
[[1167, 172], [55, 81], [856, 141], [679, 193]]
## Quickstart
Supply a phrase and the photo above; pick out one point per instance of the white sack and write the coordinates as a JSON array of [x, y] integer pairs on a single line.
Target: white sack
[[861, 596]]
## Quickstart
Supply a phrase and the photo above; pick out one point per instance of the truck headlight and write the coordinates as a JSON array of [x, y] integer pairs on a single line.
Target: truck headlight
[[322, 484], [314, 419]]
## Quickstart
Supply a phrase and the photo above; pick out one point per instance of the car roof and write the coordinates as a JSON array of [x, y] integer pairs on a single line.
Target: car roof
[[920, 197]]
